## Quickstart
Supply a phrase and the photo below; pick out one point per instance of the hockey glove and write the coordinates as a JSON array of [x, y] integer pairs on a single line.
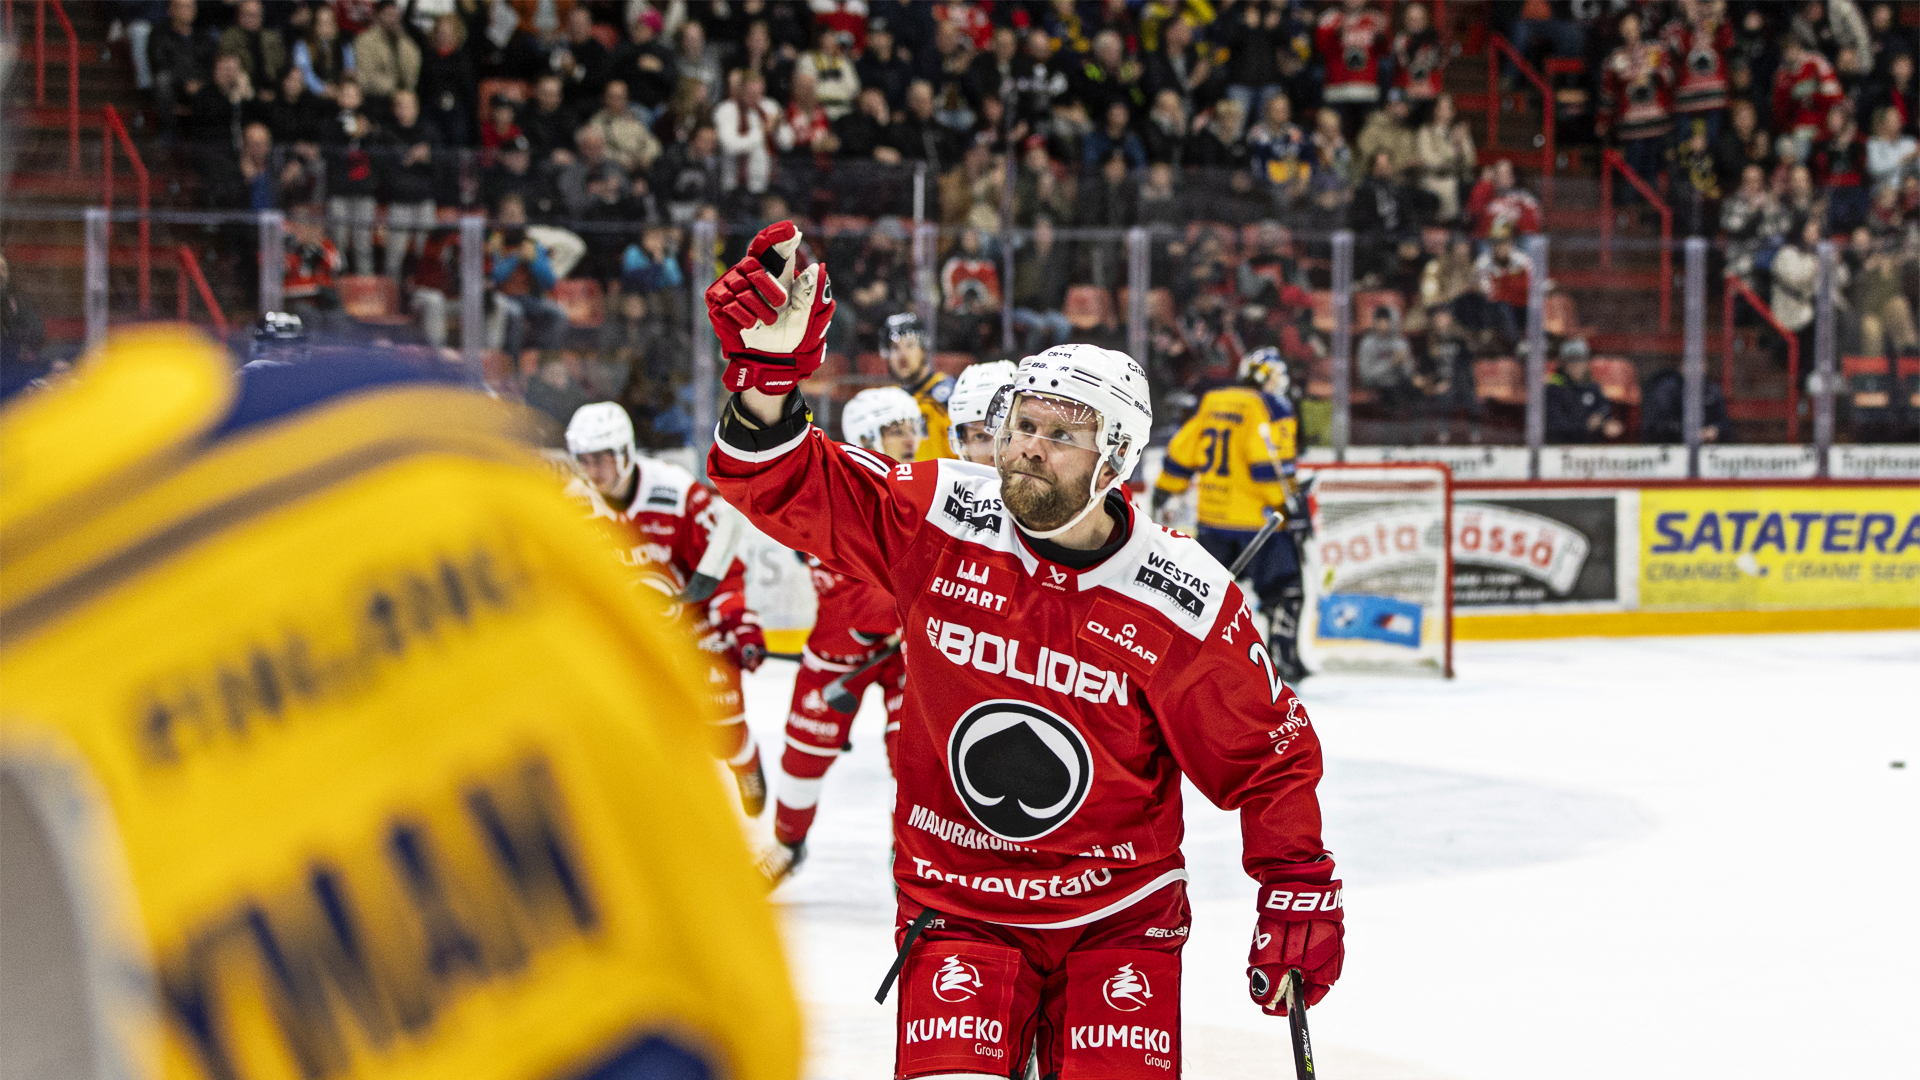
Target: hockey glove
[[747, 645], [1300, 514], [1300, 926], [771, 316]]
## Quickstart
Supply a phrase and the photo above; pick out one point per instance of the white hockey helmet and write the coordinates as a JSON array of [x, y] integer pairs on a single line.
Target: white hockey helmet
[[603, 425], [973, 395], [1112, 387], [873, 411]]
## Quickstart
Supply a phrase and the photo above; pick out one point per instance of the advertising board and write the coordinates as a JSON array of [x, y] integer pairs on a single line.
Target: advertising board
[[1543, 550], [1746, 548]]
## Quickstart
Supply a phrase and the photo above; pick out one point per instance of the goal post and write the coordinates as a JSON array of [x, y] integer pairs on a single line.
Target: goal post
[[1378, 572]]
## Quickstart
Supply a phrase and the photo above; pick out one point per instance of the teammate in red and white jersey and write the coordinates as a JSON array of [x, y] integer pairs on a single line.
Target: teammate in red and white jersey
[[1068, 661], [975, 392], [679, 540], [853, 622]]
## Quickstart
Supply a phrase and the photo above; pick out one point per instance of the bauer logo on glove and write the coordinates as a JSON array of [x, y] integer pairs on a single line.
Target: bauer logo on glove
[[771, 314]]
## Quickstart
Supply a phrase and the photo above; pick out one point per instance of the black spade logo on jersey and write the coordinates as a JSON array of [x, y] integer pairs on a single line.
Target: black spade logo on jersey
[[1021, 770]]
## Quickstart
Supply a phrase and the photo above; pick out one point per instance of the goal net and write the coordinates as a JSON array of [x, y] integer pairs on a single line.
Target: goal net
[[1379, 570]]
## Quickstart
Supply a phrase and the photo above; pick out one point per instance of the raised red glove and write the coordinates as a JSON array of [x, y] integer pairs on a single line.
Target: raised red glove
[[770, 314], [1301, 926]]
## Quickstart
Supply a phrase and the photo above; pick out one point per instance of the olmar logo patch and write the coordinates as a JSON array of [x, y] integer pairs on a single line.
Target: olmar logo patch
[[1137, 644]]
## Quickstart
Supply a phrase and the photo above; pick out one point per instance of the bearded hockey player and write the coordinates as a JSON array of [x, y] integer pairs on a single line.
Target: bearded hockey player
[[974, 394], [668, 521], [904, 348], [1241, 448], [1067, 663], [852, 624]]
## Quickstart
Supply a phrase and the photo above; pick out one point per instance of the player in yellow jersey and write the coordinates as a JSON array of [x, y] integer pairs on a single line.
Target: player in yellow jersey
[[904, 347], [330, 747], [1239, 449]]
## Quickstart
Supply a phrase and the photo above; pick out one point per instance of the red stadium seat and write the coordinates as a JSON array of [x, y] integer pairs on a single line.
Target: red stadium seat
[[1561, 317], [1364, 303], [1089, 307], [1161, 310], [585, 304], [1868, 381], [837, 224], [515, 89], [1502, 380], [1323, 311], [372, 298], [1618, 379], [952, 363]]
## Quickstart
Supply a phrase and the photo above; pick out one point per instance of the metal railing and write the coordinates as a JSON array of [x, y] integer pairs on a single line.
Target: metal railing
[[110, 129], [1498, 47], [1735, 289], [1187, 329], [189, 273], [1611, 162], [40, 70]]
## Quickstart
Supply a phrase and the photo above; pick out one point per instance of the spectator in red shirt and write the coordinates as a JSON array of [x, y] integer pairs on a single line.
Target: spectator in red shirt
[[1501, 278], [1805, 90], [1497, 200], [1352, 39], [1418, 61], [1700, 42], [1839, 163], [1636, 101]]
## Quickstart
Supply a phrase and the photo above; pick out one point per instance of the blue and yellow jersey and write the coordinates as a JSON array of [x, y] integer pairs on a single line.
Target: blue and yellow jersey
[[351, 752], [932, 391], [1237, 447]]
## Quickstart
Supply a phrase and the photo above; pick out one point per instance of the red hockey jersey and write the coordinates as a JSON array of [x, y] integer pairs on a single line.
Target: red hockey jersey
[[1702, 52], [663, 534], [850, 617], [1636, 92], [1051, 711], [1804, 95], [1352, 44]]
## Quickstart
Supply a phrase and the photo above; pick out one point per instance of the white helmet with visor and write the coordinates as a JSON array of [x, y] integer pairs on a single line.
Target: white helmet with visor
[[603, 425], [974, 393], [1107, 402], [873, 411]]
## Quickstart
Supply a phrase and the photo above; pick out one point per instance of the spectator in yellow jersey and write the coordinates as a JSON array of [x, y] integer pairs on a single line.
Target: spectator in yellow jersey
[[1239, 449], [903, 347]]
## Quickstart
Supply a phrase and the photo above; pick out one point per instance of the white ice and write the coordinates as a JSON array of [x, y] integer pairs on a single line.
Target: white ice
[[1678, 857]]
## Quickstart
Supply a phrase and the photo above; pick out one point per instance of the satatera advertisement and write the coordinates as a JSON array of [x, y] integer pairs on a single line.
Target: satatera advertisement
[[1742, 548]]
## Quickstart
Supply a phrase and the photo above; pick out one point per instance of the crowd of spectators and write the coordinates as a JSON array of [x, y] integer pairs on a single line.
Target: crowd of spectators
[[593, 134]]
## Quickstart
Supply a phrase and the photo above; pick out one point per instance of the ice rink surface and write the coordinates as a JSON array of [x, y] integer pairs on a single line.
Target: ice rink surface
[[1678, 857]]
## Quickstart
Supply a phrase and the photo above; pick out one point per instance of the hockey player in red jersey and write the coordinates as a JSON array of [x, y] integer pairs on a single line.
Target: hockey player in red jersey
[[678, 540], [1068, 662], [853, 623]]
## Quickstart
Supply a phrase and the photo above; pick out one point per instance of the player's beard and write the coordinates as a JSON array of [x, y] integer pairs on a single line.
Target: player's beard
[[1039, 503]]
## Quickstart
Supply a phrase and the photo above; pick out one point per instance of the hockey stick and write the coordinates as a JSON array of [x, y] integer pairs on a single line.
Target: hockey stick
[[1297, 1026], [836, 695], [793, 656], [722, 541], [1274, 521]]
